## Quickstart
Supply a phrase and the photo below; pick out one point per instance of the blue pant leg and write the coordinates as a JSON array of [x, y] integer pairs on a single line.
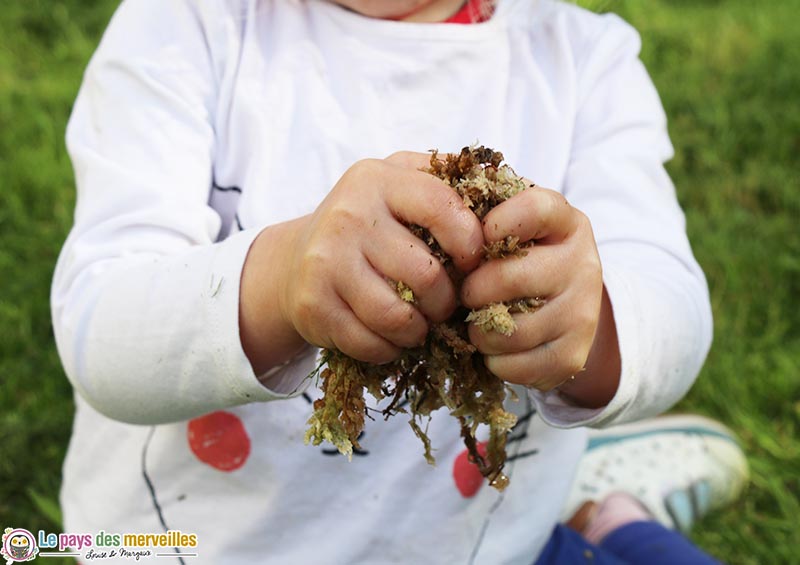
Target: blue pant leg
[[568, 547], [650, 543]]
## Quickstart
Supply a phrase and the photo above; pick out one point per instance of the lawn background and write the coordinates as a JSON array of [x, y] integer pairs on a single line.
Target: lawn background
[[729, 75]]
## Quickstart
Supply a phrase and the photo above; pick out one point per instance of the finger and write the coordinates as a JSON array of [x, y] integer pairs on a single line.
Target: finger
[[544, 272], [428, 202], [532, 330], [545, 367], [400, 256], [575, 312], [345, 332], [410, 160], [534, 214], [378, 306]]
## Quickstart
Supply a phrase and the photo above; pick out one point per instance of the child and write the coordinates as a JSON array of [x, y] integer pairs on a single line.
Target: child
[[187, 322]]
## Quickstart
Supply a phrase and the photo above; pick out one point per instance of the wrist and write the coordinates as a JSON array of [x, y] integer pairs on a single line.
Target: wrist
[[267, 334]]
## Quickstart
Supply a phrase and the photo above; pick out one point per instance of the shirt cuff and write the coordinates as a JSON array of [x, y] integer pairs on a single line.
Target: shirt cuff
[[291, 378], [282, 381]]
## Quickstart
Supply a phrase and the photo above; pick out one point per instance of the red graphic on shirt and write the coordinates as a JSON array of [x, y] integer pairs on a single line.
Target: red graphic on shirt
[[220, 440], [466, 474]]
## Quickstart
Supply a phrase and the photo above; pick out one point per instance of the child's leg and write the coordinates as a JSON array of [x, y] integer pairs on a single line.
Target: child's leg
[[622, 526], [620, 531], [650, 543], [637, 543], [566, 546]]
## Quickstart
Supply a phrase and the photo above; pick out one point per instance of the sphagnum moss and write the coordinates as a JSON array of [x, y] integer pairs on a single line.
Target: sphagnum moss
[[447, 371]]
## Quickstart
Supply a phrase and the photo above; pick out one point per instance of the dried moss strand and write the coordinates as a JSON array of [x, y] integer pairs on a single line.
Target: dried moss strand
[[447, 371]]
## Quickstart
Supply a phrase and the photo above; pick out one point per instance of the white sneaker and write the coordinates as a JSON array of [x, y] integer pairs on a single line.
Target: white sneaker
[[678, 467]]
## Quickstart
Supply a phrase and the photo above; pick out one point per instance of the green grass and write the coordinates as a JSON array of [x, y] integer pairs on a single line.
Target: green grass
[[43, 49], [729, 76]]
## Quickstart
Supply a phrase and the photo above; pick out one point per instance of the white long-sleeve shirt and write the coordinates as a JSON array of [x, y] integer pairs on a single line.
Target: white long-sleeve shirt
[[198, 123]]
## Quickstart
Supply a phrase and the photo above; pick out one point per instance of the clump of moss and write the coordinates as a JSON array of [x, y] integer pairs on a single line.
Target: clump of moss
[[497, 316], [447, 371]]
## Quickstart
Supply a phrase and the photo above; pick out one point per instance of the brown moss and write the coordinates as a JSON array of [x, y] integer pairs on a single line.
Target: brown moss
[[447, 371]]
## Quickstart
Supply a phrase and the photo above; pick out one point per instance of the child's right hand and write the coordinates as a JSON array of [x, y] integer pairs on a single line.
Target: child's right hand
[[323, 277]]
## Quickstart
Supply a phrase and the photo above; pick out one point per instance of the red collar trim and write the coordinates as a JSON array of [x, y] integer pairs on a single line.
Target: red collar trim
[[472, 12]]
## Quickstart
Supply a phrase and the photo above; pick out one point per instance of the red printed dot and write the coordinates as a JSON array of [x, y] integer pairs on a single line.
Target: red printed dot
[[220, 440], [466, 474]]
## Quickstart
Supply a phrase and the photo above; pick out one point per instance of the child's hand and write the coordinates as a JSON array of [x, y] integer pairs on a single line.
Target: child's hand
[[335, 291], [563, 267]]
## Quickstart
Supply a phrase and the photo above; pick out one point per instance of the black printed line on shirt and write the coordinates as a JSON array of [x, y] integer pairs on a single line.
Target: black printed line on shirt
[[152, 490], [356, 450], [530, 410], [215, 186]]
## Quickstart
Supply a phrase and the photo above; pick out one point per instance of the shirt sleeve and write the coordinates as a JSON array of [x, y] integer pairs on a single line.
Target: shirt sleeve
[[144, 302], [657, 290]]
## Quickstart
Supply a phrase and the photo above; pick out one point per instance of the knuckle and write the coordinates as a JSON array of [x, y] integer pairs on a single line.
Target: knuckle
[[366, 166], [363, 171], [344, 218], [418, 330], [594, 265], [400, 157], [584, 320], [574, 362], [306, 306], [574, 368], [557, 200], [312, 322], [363, 347], [588, 272], [508, 273], [310, 267], [395, 318], [550, 203], [583, 226], [426, 274], [444, 204], [311, 257], [582, 220]]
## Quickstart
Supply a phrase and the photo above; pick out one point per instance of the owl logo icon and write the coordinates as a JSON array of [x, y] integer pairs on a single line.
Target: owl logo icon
[[18, 545]]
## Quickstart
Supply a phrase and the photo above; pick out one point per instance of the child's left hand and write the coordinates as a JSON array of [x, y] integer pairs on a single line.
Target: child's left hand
[[552, 344]]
